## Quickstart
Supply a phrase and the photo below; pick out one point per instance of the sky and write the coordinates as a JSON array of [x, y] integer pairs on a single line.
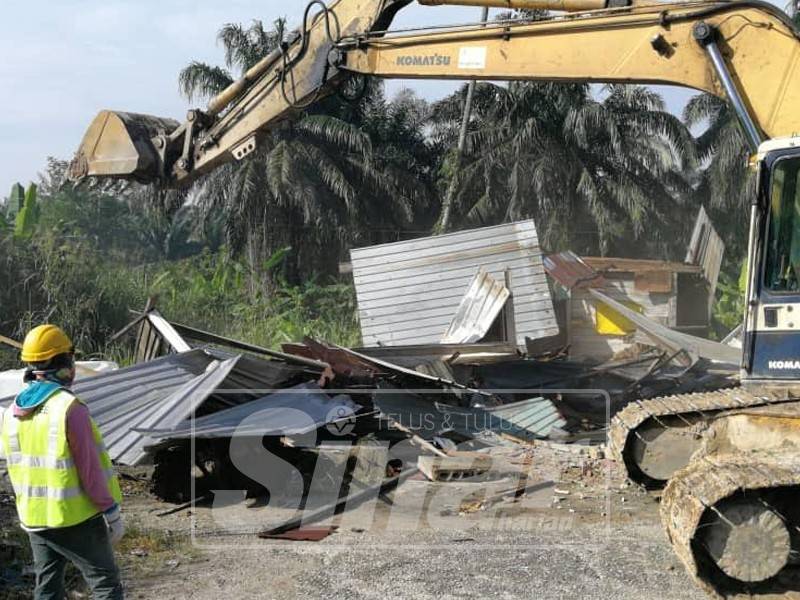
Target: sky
[[64, 61]]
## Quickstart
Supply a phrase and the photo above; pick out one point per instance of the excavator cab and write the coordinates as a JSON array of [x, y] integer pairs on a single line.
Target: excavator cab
[[773, 308]]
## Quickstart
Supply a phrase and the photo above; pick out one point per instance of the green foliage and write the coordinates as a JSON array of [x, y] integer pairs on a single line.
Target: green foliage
[[594, 174], [16, 200], [211, 291], [339, 174], [728, 310], [91, 255], [725, 184], [28, 217]]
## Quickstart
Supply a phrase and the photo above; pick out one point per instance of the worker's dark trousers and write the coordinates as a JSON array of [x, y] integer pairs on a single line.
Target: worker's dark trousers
[[88, 547]]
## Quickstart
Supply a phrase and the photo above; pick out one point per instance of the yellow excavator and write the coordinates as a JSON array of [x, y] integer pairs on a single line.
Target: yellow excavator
[[729, 460]]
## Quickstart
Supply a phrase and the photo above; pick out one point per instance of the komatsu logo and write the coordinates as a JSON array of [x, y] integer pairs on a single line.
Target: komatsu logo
[[783, 364], [431, 60]]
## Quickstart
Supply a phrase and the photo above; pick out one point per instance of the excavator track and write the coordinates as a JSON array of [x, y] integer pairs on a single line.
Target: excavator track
[[655, 438], [734, 521]]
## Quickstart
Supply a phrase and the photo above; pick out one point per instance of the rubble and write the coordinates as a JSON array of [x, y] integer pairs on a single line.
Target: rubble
[[675, 295], [469, 393]]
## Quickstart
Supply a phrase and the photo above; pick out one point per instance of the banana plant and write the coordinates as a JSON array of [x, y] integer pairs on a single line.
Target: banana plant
[[15, 201], [28, 216]]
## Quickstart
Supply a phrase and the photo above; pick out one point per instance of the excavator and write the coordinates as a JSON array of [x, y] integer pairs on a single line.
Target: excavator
[[726, 462]]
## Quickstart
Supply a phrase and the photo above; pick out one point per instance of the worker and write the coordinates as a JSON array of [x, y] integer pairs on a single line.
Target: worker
[[67, 496]]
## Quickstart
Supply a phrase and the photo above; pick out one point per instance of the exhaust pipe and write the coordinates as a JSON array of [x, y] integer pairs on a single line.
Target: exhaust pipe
[[122, 145]]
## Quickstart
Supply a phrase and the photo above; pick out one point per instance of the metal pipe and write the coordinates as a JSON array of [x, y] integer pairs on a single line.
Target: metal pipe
[[706, 36], [218, 103], [561, 5], [751, 290]]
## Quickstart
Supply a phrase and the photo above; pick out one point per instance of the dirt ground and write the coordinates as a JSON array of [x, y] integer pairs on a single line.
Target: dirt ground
[[579, 532]]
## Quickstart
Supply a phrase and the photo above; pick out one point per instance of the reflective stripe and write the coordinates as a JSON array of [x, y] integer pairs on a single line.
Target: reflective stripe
[[12, 427], [53, 428], [44, 462], [42, 491]]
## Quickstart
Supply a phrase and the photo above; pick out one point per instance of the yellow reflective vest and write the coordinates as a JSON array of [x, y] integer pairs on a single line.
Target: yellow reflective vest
[[42, 470]]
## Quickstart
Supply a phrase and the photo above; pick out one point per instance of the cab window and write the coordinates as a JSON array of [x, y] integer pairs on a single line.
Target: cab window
[[782, 273]]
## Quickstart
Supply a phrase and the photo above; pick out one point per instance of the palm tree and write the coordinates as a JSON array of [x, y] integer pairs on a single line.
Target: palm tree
[[336, 175], [726, 184], [589, 171]]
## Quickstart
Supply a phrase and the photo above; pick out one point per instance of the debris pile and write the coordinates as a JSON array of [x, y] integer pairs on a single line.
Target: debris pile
[[465, 359]]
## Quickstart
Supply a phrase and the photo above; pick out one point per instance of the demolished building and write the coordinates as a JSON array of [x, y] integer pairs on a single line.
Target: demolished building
[[674, 294]]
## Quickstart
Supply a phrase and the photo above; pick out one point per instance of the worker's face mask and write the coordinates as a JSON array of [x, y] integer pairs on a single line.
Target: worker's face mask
[[64, 373]]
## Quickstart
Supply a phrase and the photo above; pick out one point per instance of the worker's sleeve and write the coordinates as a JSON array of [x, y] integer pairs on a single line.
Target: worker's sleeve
[[87, 456]]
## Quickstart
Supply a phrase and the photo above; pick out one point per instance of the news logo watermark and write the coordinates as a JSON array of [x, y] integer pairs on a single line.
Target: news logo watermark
[[388, 464]]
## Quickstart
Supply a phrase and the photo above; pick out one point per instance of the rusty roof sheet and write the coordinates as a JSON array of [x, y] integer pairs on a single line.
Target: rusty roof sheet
[[568, 269]]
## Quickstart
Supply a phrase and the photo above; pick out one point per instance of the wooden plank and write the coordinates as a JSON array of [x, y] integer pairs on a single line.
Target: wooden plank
[[653, 281], [10, 342], [633, 265]]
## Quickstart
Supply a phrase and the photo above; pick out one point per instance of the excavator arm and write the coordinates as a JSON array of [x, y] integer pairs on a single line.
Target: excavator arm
[[747, 52]]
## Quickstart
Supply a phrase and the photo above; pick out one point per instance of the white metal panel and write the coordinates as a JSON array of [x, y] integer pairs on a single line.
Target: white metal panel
[[408, 292], [706, 249], [479, 307]]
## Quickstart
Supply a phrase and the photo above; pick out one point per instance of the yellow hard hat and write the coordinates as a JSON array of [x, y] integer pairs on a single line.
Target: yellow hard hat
[[43, 343]]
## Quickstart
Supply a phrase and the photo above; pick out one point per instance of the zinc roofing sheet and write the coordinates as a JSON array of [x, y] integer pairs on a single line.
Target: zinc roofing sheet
[[292, 411], [479, 307], [409, 291], [570, 271], [163, 393], [529, 419]]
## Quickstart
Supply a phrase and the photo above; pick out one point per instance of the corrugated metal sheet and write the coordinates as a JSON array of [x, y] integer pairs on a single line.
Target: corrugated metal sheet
[[127, 398], [671, 339], [293, 411], [409, 291], [528, 419], [164, 392], [568, 269], [425, 381], [479, 307], [536, 416], [706, 249]]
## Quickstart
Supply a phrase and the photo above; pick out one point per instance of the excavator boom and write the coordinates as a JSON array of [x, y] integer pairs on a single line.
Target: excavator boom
[[642, 43]]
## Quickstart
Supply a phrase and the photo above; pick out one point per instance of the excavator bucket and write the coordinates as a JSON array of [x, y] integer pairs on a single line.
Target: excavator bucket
[[121, 145]]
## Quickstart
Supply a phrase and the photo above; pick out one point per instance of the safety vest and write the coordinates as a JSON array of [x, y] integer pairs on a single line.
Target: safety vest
[[42, 470]]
